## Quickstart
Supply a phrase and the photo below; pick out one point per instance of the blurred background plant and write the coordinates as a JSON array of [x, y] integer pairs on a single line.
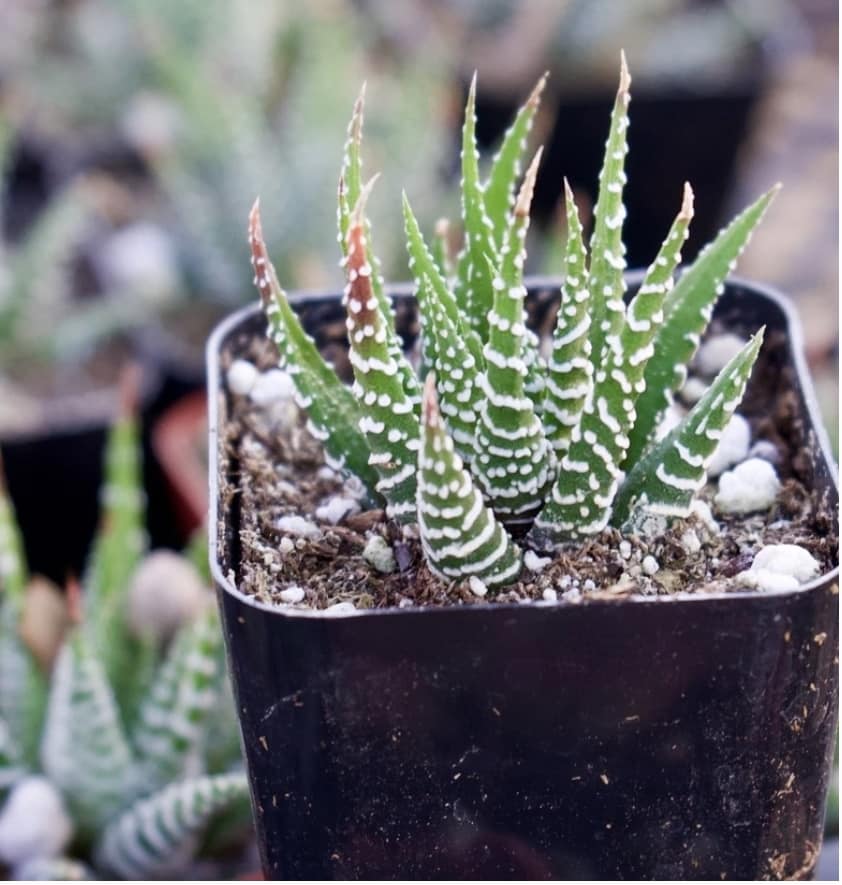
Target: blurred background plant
[[119, 745]]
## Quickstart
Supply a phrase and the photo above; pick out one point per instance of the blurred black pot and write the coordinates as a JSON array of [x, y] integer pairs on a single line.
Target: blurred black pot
[[686, 738]]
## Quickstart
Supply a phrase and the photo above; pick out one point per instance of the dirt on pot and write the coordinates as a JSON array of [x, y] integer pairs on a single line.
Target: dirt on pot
[[290, 552]]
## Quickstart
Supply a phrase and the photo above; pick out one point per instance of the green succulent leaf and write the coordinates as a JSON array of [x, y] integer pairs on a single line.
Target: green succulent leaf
[[157, 836], [12, 767], [22, 685], [569, 369], [332, 408], [474, 293], [170, 732], [423, 267], [459, 534], [389, 419], [84, 750], [687, 311], [664, 482], [350, 191], [502, 180], [607, 252], [441, 248]]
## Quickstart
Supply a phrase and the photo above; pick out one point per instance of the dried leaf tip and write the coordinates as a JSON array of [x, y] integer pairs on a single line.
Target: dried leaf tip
[[687, 202], [625, 76], [73, 598], [537, 90], [430, 403], [527, 189], [355, 126], [442, 228], [263, 269], [128, 392], [358, 213]]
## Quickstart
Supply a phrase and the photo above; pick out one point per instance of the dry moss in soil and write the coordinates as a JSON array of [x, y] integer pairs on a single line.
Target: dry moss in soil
[[280, 471]]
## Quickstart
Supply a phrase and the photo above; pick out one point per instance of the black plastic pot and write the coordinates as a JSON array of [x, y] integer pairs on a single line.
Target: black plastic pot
[[687, 737]]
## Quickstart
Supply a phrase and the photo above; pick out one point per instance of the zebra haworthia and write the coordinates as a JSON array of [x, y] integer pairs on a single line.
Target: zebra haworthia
[[508, 439]]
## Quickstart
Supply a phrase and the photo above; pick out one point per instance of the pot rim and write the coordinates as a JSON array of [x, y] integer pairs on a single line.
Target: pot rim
[[215, 384]]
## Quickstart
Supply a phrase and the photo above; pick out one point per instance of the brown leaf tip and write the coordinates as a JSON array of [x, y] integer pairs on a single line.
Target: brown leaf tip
[[430, 403], [537, 90], [687, 202], [259, 256], [527, 189]]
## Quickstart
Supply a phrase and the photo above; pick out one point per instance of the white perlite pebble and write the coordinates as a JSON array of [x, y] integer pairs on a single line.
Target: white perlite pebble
[[749, 487], [341, 608], [33, 822], [649, 565], [272, 386], [732, 446], [335, 509], [287, 545], [588, 586], [477, 587], [717, 352], [298, 526], [694, 389], [625, 549], [242, 376], [354, 488], [292, 594], [379, 554], [766, 450], [534, 562], [780, 567], [165, 591], [550, 595], [690, 542]]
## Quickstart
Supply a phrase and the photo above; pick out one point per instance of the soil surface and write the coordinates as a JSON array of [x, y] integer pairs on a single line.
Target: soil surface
[[278, 470]]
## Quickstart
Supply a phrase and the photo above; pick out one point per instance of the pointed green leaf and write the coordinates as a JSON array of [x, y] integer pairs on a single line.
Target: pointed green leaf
[[84, 750], [156, 837], [673, 471], [332, 408], [350, 190], [172, 720], [389, 420], [473, 278], [569, 370], [459, 534], [607, 251], [422, 265], [441, 248], [505, 168], [687, 311], [514, 463], [22, 685]]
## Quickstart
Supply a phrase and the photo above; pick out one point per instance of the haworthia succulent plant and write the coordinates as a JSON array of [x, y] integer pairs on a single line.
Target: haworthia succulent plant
[[151, 839], [666, 479], [460, 535], [519, 441], [334, 414]]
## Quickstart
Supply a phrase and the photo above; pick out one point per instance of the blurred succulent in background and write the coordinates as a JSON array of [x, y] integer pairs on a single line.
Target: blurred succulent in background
[[119, 757], [227, 98]]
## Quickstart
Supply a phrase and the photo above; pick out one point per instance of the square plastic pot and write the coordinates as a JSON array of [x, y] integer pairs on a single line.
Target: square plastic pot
[[686, 737]]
